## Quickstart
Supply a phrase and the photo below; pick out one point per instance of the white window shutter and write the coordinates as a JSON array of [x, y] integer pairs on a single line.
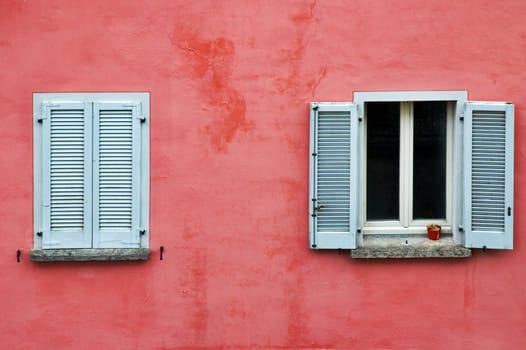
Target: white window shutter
[[488, 175], [66, 172], [333, 175], [116, 175]]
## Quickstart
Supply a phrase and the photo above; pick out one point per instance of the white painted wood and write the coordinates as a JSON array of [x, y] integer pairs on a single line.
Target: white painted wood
[[66, 175], [334, 176], [488, 175], [116, 175]]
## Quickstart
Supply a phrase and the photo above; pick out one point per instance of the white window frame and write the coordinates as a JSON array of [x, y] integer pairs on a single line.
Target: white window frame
[[406, 224], [141, 99], [454, 185]]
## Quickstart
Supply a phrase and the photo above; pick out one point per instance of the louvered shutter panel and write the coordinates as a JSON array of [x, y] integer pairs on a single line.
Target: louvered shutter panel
[[488, 175], [333, 176], [116, 175], [66, 169]]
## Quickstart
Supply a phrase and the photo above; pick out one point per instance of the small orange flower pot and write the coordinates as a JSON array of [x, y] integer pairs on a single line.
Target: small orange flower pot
[[433, 232]]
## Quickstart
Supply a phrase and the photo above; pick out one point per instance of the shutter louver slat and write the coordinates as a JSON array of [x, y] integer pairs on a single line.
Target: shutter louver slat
[[489, 175]]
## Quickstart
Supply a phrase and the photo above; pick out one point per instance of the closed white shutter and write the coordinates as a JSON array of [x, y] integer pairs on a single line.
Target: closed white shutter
[[488, 175], [333, 176], [66, 169], [116, 175]]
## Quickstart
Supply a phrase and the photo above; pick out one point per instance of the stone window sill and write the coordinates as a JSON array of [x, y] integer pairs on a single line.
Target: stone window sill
[[383, 246], [103, 254]]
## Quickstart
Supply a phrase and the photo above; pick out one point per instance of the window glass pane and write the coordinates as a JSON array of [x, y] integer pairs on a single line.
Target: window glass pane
[[383, 160], [429, 160]]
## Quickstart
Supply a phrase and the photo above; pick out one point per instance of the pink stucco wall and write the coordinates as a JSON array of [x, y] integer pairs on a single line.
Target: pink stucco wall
[[230, 83]]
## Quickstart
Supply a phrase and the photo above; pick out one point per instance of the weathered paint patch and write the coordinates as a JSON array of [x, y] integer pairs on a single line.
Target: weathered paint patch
[[298, 84], [212, 62]]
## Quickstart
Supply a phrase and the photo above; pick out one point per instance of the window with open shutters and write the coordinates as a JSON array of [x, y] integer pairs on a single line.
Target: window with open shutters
[[390, 163], [91, 170]]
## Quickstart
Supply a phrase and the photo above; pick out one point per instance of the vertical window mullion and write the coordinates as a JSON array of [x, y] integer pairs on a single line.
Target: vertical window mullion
[[406, 163], [449, 159]]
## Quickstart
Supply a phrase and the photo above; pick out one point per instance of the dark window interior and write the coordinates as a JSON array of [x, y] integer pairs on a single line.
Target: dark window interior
[[429, 160], [383, 160]]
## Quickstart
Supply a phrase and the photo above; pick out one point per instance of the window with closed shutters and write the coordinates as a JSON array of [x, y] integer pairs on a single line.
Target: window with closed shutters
[[91, 170]]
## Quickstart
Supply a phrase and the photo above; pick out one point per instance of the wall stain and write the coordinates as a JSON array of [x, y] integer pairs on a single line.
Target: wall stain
[[194, 292], [290, 191], [192, 228], [298, 317], [313, 84], [8, 9], [469, 303], [295, 84], [211, 61], [294, 189]]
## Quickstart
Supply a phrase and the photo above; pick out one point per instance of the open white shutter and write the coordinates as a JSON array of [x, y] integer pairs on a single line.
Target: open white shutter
[[66, 175], [488, 175], [333, 175], [116, 175]]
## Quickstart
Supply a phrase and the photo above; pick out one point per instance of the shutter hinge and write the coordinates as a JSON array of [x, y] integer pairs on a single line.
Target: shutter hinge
[[314, 154], [315, 106], [509, 211], [314, 207], [317, 208], [360, 118], [40, 118], [142, 118], [461, 117], [39, 233], [359, 230], [142, 232], [460, 228]]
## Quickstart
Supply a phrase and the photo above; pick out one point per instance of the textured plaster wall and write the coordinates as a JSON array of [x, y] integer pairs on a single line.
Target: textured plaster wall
[[230, 83]]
